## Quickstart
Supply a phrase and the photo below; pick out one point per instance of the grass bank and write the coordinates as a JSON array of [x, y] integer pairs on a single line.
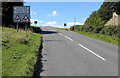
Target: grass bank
[[0, 54], [19, 52], [109, 39]]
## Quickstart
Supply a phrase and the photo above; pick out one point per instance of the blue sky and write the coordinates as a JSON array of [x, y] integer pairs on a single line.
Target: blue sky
[[57, 13]]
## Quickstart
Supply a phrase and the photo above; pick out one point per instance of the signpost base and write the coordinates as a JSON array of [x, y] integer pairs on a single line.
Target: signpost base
[[26, 27], [17, 27]]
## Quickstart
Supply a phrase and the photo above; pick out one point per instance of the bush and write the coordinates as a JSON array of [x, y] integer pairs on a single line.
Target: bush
[[36, 29], [105, 30], [110, 30]]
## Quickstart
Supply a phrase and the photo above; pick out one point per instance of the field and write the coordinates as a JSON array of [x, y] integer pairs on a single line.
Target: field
[[19, 52]]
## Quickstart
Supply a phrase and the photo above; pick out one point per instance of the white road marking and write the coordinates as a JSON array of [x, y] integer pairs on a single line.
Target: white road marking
[[53, 30], [85, 48], [60, 33], [69, 38], [92, 52]]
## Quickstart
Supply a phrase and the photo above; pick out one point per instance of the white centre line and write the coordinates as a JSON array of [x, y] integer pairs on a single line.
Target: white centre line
[[92, 52], [60, 33], [69, 38], [53, 30]]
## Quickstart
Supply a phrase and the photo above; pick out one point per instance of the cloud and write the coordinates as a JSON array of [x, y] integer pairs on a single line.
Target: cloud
[[72, 23], [60, 26], [32, 21], [33, 13], [84, 19], [54, 13], [51, 23]]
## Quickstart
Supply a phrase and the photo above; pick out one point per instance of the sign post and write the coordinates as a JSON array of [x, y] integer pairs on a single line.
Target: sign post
[[65, 24], [35, 22], [21, 14], [26, 27], [17, 27]]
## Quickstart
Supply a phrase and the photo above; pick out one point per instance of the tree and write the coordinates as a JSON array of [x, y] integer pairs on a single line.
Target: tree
[[7, 12], [104, 14]]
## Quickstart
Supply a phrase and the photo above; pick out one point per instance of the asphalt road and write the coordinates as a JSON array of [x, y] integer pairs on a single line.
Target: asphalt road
[[67, 53]]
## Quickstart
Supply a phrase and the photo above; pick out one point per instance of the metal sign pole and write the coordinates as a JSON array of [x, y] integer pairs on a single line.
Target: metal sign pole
[[17, 27], [26, 27]]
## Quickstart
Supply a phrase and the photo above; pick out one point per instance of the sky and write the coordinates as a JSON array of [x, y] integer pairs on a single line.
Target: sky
[[57, 13]]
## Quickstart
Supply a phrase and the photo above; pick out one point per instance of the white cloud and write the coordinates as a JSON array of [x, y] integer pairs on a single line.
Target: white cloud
[[32, 21], [72, 23], [51, 23], [54, 13], [33, 13], [60, 26], [84, 19]]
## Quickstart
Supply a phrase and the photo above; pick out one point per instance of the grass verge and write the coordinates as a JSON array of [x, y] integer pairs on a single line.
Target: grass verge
[[0, 54], [109, 39], [19, 52]]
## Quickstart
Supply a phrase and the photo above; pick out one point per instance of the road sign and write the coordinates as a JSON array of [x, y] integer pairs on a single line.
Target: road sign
[[25, 18], [35, 22], [65, 24], [21, 14], [17, 18]]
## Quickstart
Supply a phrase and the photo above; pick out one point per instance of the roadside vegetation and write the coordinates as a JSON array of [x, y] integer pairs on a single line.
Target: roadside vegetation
[[19, 52], [0, 54], [106, 38]]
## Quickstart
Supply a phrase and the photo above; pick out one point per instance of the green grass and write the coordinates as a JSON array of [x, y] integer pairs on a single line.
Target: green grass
[[109, 39], [0, 54], [19, 52]]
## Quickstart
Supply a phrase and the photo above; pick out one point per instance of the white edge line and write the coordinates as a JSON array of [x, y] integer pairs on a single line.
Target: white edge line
[[92, 52], [69, 38]]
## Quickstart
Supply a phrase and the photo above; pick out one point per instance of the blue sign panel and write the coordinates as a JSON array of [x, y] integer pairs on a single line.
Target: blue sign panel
[[21, 14]]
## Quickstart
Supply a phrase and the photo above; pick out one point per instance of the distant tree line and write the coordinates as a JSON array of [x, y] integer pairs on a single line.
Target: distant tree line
[[95, 23]]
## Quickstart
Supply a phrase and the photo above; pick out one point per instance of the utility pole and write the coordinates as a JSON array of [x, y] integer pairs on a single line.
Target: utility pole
[[74, 21]]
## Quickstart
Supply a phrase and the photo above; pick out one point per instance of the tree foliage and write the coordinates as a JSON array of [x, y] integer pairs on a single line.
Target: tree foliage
[[95, 23], [103, 15], [7, 12]]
